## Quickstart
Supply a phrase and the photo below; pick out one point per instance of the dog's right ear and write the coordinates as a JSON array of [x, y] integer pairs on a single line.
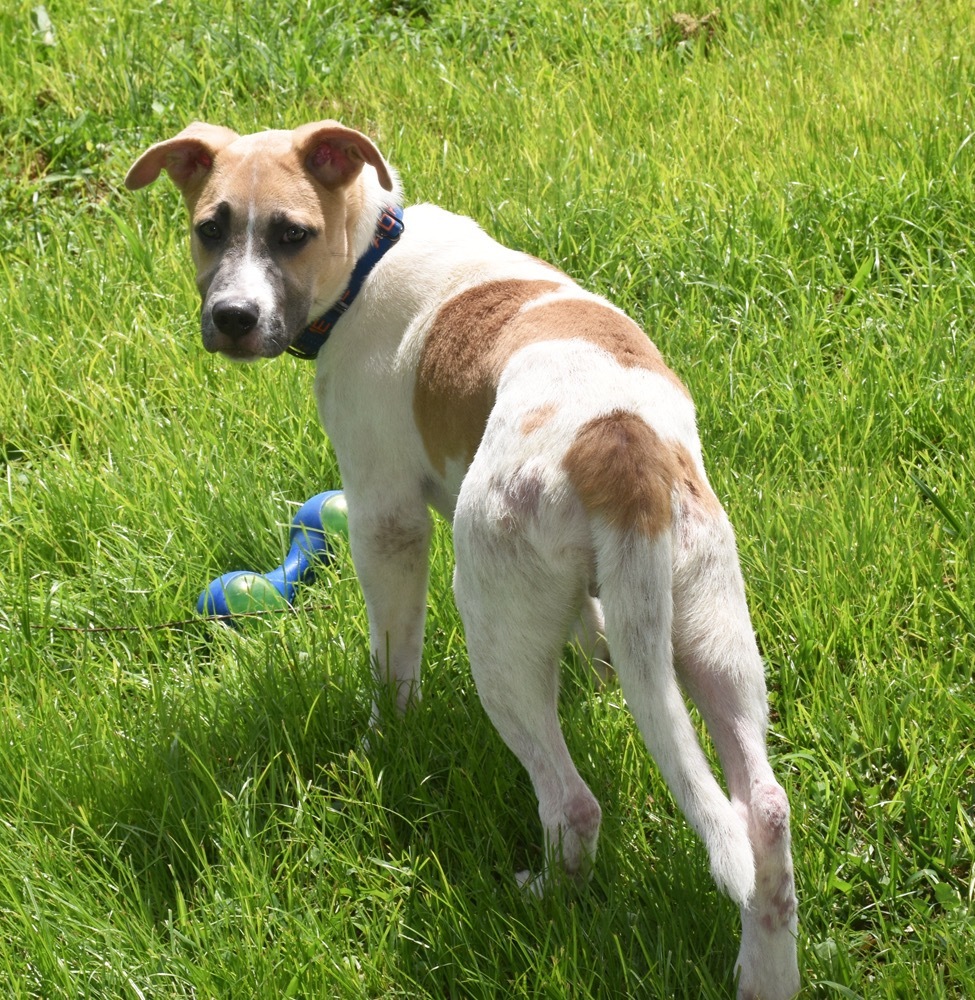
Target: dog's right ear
[[187, 157]]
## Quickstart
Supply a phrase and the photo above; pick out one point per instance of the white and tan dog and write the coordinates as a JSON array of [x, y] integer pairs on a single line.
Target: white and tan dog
[[455, 373]]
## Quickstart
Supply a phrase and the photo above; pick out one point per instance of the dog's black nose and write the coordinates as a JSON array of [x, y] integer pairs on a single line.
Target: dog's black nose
[[236, 318]]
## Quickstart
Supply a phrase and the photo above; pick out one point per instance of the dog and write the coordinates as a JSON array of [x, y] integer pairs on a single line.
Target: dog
[[455, 373]]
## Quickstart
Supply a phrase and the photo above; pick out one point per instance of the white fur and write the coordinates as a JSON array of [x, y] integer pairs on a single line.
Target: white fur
[[529, 559]]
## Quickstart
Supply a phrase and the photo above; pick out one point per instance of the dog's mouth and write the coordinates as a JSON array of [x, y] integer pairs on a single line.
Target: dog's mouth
[[242, 352]]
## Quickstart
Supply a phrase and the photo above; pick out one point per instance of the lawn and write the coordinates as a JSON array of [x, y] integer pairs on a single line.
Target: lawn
[[783, 194]]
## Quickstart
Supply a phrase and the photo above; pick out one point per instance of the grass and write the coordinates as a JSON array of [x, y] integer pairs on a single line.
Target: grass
[[784, 200]]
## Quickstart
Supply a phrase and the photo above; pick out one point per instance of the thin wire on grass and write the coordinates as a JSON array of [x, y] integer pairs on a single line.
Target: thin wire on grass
[[183, 622]]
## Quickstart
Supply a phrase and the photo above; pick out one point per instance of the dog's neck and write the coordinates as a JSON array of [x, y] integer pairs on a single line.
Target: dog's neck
[[388, 230]]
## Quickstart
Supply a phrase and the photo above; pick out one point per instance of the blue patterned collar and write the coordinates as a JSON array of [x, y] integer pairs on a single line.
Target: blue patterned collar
[[310, 341]]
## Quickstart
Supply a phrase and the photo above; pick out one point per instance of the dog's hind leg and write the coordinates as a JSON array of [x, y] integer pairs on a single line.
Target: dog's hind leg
[[517, 603], [720, 667], [635, 579]]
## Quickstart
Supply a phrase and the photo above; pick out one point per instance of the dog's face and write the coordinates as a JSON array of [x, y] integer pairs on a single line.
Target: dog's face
[[272, 221]]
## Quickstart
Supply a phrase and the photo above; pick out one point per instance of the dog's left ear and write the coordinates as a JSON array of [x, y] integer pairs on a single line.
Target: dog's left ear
[[187, 157], [334, 155]]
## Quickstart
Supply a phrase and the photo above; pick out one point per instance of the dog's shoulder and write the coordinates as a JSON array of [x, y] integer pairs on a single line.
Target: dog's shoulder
[[461, 241], [435, 222]]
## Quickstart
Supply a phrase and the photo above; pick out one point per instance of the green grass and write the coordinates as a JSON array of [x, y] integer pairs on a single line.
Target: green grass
[[788, 208]]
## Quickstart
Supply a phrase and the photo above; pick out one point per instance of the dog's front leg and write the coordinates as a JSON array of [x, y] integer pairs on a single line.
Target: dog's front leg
[[390, 547]]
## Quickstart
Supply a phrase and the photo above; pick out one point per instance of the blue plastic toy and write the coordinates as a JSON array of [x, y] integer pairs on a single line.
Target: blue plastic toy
[[311, 541]]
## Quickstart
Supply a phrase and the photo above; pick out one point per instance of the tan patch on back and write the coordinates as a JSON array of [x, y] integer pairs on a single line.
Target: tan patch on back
[[474, 335], [598, 323], [458, 372], [621, 470]]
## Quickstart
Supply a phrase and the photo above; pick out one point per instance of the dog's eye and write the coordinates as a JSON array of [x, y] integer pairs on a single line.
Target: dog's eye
[[209, 231], [294, 234]]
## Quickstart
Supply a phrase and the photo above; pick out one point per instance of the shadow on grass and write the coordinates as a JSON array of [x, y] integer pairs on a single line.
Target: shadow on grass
[[252, 781]]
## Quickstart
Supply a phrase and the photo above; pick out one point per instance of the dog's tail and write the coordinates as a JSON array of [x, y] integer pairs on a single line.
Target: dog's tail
[[635, 576]]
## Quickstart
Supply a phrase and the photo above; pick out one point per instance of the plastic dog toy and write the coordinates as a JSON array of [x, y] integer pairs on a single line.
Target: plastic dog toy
[[313, 529]]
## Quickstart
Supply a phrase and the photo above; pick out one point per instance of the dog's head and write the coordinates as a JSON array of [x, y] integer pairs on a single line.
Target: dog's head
[[278, 219]]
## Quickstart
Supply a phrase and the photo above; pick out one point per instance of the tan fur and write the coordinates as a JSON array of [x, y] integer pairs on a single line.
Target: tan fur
[[599, 324], [459, 367], [305, 173], [692, 485], [536, 419], [623, 472], [475, 333], [240, 179]]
